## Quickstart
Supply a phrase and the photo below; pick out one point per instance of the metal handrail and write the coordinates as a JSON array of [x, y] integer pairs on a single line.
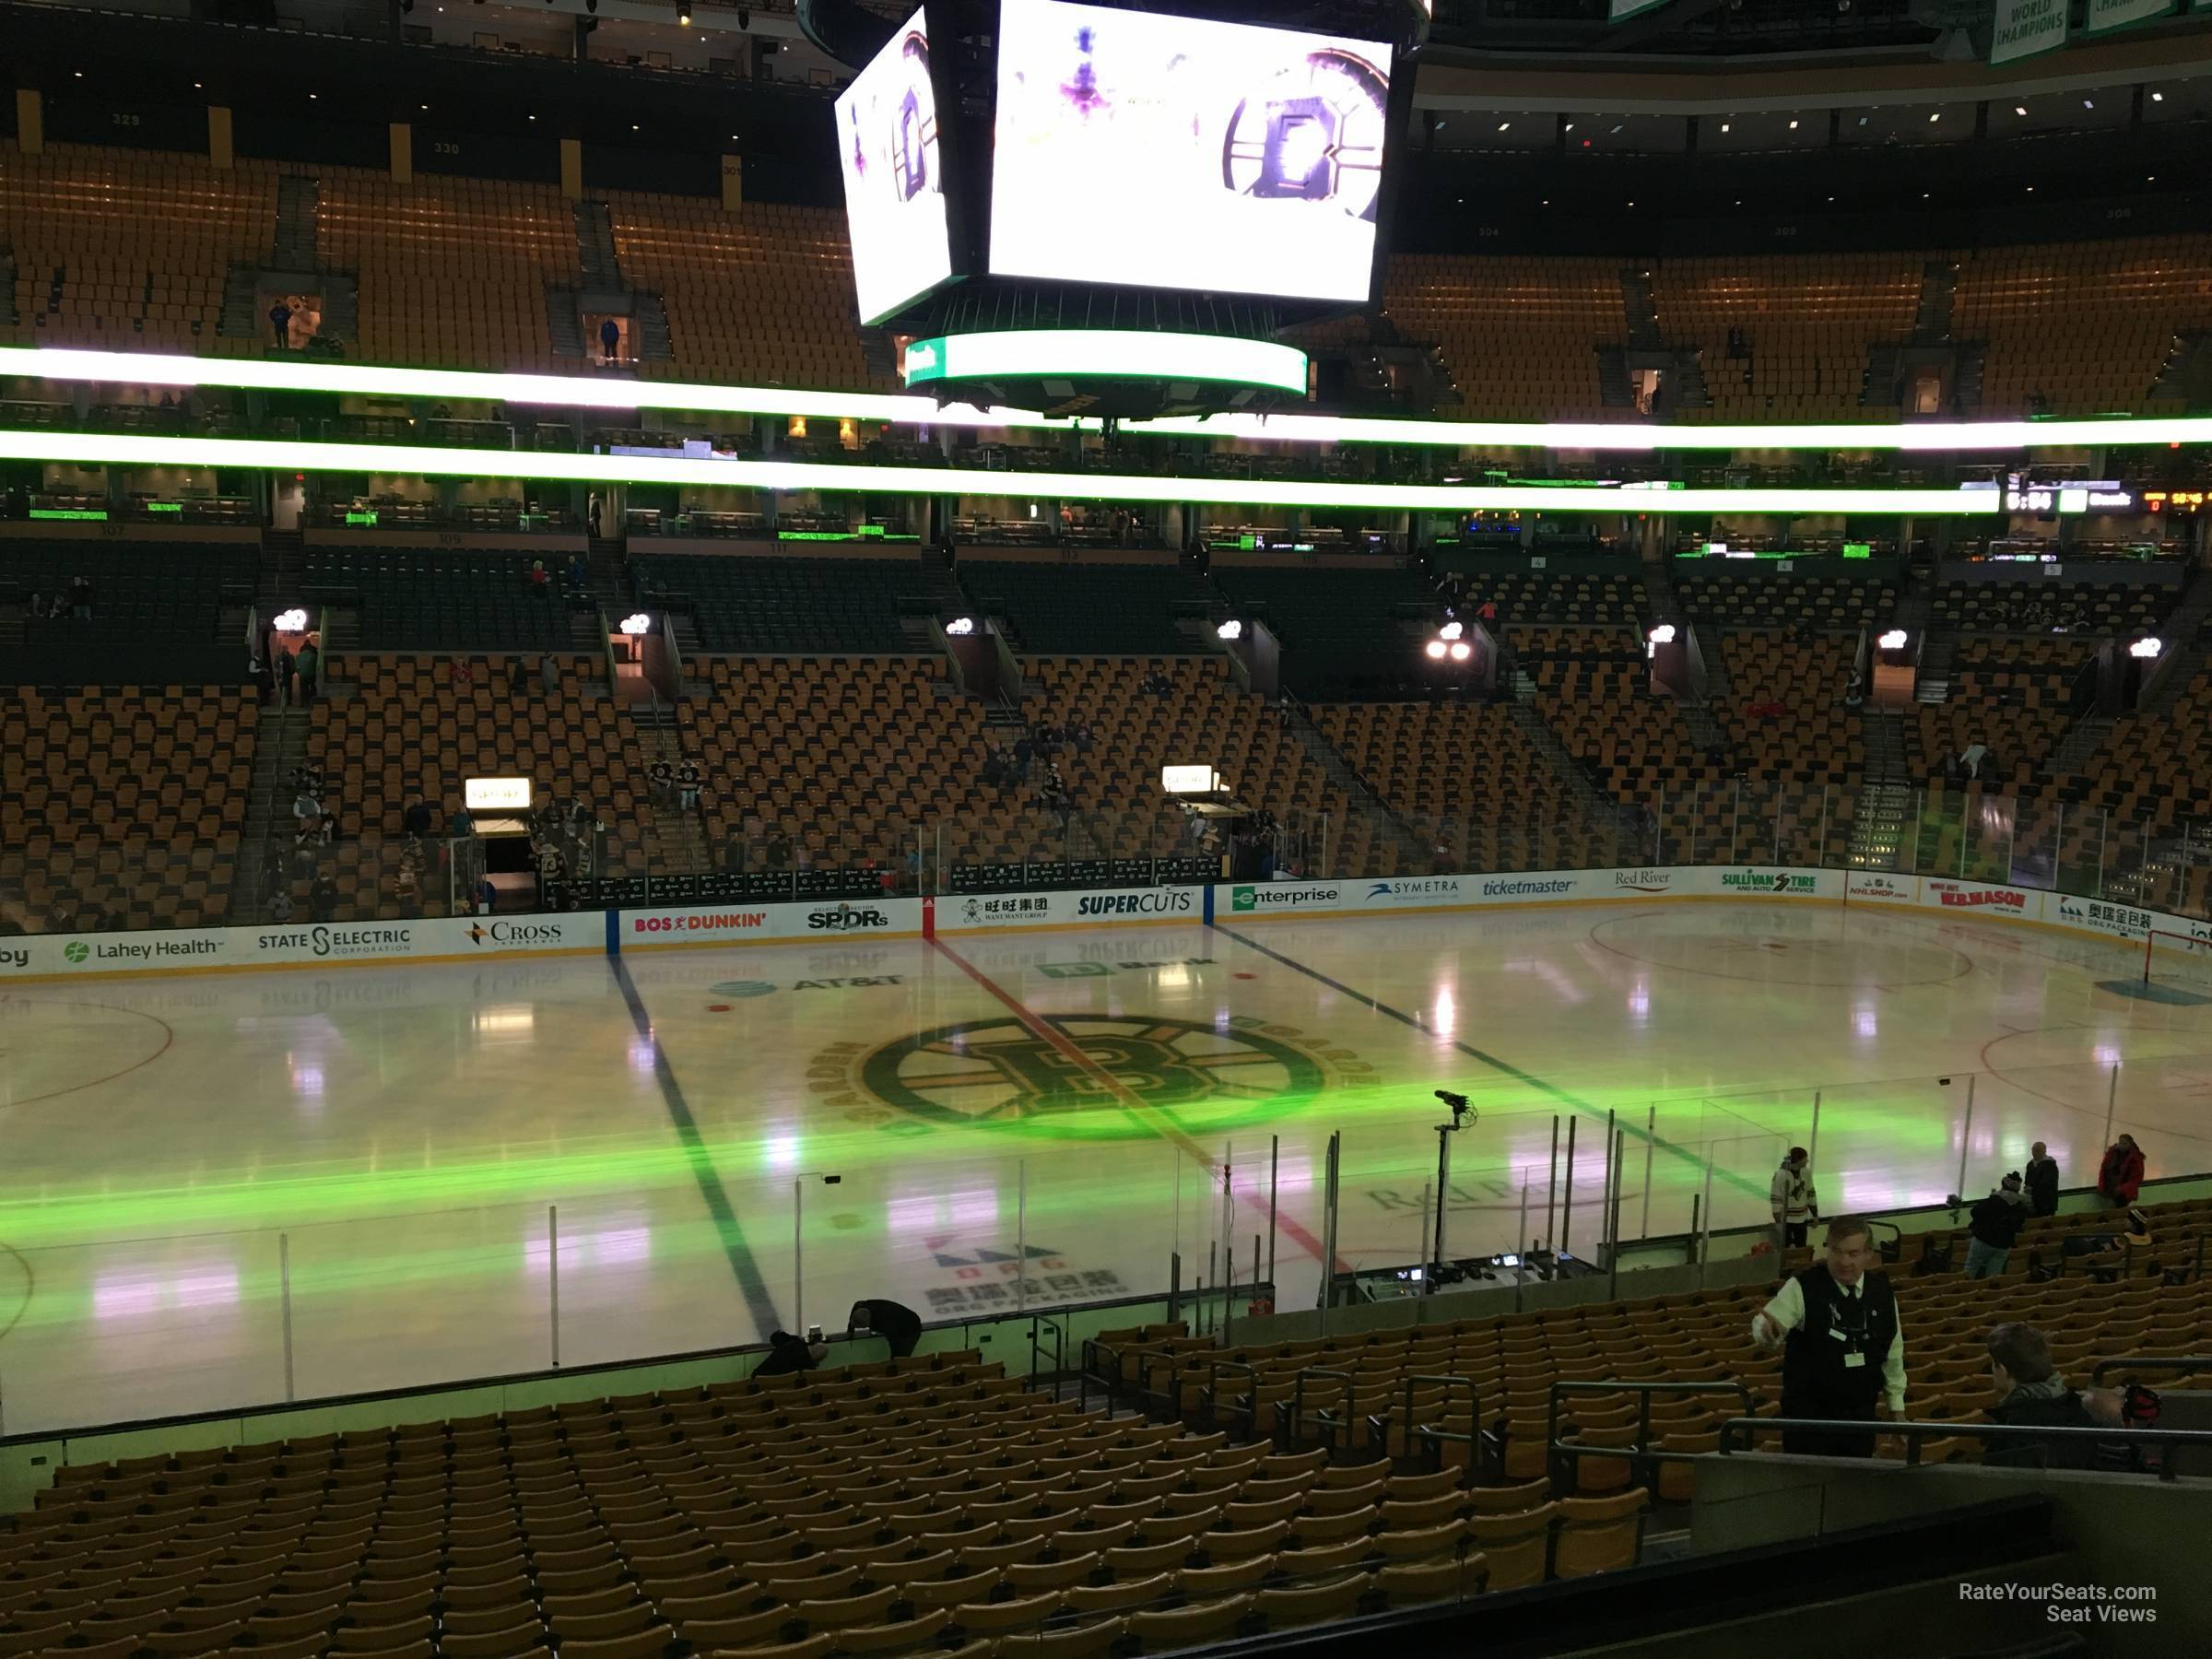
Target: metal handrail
[[1148, 1371], [1432, 1438], [1298, 1399], [1913, 1433], [1093, 1349], [1640, 1453], [1211, 1395], [2164, 1362], [1059, 1349]]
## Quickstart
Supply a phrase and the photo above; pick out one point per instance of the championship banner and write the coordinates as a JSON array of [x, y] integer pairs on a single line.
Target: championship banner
[[2102, 17], [2022, 29]]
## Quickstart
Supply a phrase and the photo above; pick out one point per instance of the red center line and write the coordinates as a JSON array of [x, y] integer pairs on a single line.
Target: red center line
[[1150, 1116]]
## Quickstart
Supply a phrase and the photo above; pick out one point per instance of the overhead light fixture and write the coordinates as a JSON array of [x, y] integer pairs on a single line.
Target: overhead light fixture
[[2019, 109], [1935, 115], [1461, 650], [960, 628], [1230, 629], [72, 364], [1723, 126], [1662, 634], [1892, 641], [1504, 125], [1793, 124], [1451, 630], [2089, 103], [2146, 649], [2158, 98], [684, 18], [291, 621], [636, 624], [1436, 649]]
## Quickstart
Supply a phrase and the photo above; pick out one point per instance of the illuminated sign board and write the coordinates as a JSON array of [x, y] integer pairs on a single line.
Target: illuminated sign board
[[497, 795], [1190, 780], [1119, 354]]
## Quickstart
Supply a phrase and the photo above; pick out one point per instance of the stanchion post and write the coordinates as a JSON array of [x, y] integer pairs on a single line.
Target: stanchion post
[[1551, 1187], [1705, 1236], [283, 1286], [1328, 1229], [1275, 1154], [1567, 1195], [1420, 1255], [553, 1275], [1613, 1225], [1605, 1217], [1651, 1141], [1520, 1256], [1965, 1137]]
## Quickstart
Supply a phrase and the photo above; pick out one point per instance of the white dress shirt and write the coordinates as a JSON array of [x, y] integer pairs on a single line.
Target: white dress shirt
[[1787, 1310]]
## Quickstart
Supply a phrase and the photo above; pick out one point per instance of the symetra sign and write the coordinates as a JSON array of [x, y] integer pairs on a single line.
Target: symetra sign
[[1432, 889]]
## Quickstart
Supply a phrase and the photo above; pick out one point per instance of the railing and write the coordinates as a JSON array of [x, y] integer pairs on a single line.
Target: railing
[[1431, 1438], [1642, 1453], [1293, 1427], [2085, 854], [2181, 1362], [1210, 1395], [1737, 1434]]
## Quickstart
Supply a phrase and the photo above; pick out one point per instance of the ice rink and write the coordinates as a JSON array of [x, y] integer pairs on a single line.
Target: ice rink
[[1036, 1118]]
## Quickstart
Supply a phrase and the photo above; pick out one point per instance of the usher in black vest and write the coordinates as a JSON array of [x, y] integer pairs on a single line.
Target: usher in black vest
[[1814, 1374]]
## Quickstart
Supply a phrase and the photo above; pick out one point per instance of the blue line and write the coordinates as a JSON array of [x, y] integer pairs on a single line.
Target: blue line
[[1528, 1079], [756, 1299]]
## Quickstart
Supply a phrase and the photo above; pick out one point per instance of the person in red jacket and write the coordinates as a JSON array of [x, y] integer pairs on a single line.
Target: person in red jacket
[[2121, 1175]]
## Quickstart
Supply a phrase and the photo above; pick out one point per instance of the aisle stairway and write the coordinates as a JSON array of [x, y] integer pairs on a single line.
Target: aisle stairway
[[280, 750], [1884, 807]]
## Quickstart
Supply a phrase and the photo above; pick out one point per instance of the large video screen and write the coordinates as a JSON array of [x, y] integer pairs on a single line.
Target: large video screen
[[886, 124], [1158, 151]]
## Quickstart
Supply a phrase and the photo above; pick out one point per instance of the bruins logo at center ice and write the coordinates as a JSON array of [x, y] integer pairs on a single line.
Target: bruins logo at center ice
[[1166, 1074]]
